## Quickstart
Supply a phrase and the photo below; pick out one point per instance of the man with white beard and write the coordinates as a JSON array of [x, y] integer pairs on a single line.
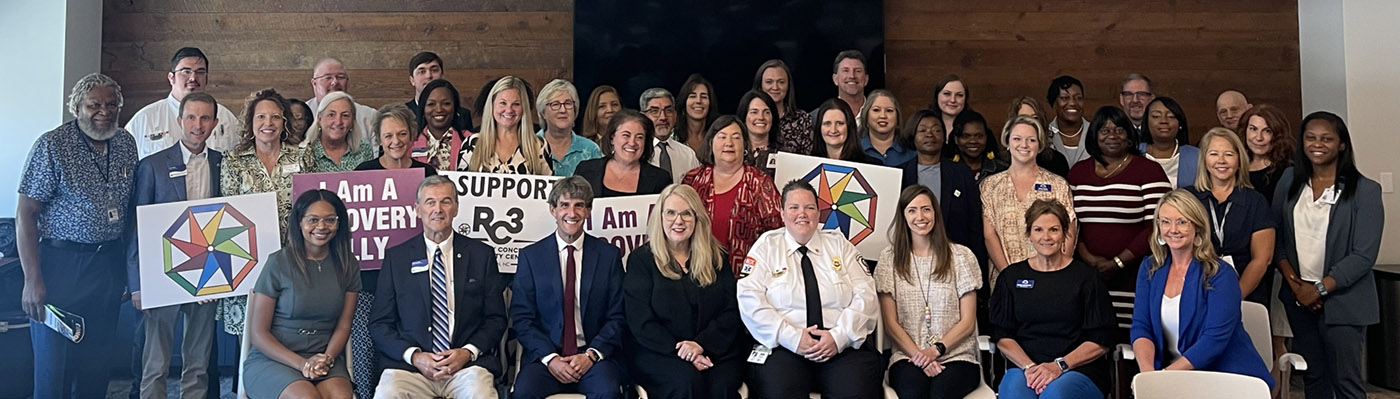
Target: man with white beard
[[74, 210]]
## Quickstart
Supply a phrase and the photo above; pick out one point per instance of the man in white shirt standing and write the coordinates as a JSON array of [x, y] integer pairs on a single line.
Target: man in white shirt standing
[[330, 76], [157, 125], [676, 158]]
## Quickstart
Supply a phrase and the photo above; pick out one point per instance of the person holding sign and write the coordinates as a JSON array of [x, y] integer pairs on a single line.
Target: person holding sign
[[186, 171], [681, 306], [808, 300], [300, 309], [567, 305], [397, 131], [742, 200], [506, 143], [438, 342], [621, 171]]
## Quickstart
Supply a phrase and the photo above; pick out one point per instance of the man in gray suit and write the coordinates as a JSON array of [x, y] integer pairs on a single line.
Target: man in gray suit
[[188, 171]]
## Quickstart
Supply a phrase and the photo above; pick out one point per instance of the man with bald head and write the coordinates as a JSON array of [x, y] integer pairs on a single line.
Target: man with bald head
[[330, 76], [1229, 106]]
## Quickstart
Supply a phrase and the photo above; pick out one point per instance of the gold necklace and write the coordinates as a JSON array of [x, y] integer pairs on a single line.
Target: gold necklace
[[1120, 166]]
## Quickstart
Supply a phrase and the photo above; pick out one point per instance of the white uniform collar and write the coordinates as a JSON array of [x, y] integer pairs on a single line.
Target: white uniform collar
[[814, 245]]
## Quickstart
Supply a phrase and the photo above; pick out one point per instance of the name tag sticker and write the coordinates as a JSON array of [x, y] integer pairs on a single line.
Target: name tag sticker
[[418, 266], [1042, 187], [293, 168], [957, 193], [1329, 196], [759, 355], [1025, 283]]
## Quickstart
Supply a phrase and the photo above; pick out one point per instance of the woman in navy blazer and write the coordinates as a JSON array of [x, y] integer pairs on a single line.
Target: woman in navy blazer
[[1186, 314]]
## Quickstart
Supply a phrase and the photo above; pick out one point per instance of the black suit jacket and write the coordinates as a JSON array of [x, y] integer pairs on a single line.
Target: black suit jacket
[[651, 179], [662, 312], [402, 314], [961, 203]]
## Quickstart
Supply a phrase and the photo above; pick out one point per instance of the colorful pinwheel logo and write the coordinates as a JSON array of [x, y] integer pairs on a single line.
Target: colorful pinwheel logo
[[846, 199], [210, 249]]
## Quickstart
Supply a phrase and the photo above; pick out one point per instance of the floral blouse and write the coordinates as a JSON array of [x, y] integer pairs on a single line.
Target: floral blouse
[[353, 157], [795, 132], [516, 165], [440, 152], [243, 173], [939, 295], [755, 210]]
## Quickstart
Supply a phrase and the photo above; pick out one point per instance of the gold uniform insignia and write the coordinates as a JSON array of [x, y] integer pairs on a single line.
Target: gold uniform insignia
[[836, 262]]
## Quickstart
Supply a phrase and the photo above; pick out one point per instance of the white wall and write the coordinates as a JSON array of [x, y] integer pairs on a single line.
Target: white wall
[[52, 44]]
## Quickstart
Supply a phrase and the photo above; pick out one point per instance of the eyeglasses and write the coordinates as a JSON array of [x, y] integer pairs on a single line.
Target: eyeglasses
[[326, 78], [186, 72], [655, 111], [560, 105], [1143, 95], [671, 215], [314, 220]]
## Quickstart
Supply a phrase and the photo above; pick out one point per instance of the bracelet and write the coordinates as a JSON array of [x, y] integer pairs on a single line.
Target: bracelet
[[1119, 262]]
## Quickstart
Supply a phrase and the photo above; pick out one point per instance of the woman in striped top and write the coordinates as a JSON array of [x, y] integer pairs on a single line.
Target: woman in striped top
[[1115, 192]]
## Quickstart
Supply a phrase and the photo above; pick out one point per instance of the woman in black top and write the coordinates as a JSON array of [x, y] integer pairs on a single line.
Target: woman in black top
[[834, 134], [1269, 136], [974, 145], [396, 131], [681, 305], [1051, 316], [1242, 230], [623, 170]]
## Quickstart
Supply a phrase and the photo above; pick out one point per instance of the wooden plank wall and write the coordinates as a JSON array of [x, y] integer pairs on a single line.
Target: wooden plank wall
[[1192, 49], [257, 44]]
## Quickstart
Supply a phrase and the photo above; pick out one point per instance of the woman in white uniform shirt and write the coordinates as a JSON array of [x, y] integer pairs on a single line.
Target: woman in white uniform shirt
[[823, 350]]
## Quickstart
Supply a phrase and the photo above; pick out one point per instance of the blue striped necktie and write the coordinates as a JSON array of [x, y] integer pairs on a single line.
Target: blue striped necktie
[[441, 327]]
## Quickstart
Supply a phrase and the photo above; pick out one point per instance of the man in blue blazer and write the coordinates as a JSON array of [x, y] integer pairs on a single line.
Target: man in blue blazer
[[567, 305], [185, 171], [440, 312]]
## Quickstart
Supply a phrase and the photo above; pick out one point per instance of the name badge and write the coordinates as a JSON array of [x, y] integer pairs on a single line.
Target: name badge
[[1042, 187], [289, 169], [1329, 196], [772, 161], [759, 355], [957, 193], [178, 173], [113, 214], [1025, 283], [418, 266]]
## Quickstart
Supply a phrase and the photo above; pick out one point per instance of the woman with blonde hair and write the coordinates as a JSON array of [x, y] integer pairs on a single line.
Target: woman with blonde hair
[[1186, 311], [1051, 160], [1007, 195], [681, 304], [507, 142], [1242, 226], [333, 141]]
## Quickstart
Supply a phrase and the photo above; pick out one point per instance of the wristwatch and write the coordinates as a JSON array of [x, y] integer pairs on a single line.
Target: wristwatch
[[942, 349], [1321, 288], [1064, 366]]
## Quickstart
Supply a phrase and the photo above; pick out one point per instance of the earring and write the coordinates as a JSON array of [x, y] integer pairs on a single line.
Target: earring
[[1198, 241], [1161, 241]]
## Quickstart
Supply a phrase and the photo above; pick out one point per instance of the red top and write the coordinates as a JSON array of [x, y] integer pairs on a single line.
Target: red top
[[724, 208], [752, 210]]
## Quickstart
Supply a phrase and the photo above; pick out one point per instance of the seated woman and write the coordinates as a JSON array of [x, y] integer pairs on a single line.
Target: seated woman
[[975, 146], [680, 301], [741, 200], [621, 171], [927, 288], [397, 132], [1165, 140], [300, 309], [1187, 317], [1051, 316], [834, 126]]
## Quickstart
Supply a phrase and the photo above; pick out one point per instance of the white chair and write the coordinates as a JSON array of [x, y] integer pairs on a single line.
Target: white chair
[[1178, 384]]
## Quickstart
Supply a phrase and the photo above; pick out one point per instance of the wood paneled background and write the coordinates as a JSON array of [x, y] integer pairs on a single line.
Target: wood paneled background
[[1192, 49]]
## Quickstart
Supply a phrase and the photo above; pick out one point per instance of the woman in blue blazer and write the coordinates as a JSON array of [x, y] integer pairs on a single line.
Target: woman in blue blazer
[[1186, 314]]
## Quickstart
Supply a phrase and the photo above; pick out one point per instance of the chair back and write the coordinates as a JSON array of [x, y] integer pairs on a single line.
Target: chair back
[[1256, 323], [1177, 384], [1122, 308]]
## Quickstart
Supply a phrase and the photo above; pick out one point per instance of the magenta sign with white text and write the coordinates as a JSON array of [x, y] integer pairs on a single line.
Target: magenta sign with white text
[[379, 203]]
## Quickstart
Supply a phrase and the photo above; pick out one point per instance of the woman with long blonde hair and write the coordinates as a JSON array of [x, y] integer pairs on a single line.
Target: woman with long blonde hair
[[681, 305], [507, 141]]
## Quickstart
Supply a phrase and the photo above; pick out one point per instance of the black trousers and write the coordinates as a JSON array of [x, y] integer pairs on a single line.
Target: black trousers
[[853, 373], [1333, 353], [956, 381], [665, 376]]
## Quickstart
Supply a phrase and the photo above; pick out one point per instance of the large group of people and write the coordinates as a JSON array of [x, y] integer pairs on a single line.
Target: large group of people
[[1017, 230]]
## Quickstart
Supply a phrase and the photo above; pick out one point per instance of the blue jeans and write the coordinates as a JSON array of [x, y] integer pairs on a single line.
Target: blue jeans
[[1070, 385]]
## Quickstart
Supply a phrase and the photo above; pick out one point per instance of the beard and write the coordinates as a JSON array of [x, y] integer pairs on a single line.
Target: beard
[[90, 129]]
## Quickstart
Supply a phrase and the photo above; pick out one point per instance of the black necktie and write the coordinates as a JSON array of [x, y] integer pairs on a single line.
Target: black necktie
[[664, 157], [814, 294]]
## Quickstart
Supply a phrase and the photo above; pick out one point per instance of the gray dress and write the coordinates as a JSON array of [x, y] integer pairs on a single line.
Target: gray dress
[[306, 314]]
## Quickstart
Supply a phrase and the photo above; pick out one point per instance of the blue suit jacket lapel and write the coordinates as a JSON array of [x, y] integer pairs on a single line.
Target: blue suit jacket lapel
[[174, 157], [590, 257], [216, 161], [552, 288], [1191, 296]]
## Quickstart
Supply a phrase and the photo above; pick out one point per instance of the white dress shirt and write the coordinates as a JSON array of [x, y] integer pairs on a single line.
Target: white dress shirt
[[1171, 325], [682, 158], [447, 256], [364, 120], [157, 127], [772, 297], [1310, 221], [578, 291], [197, 174]]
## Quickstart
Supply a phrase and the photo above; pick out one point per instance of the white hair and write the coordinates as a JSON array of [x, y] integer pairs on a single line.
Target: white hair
[[313, 132], [86, 85], [552, 88]]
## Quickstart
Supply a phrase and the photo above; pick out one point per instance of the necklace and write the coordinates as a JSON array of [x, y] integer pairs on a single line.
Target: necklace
[[319, 263], [1176, 148], [929, 338], [1056, 128], [1120, 166]]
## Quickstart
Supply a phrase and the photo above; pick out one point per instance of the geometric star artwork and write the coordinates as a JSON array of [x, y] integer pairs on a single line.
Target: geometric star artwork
[[210, 249], [846, 200]]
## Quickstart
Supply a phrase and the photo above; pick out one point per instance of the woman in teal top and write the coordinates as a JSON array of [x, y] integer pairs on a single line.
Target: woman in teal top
[[300, 309]]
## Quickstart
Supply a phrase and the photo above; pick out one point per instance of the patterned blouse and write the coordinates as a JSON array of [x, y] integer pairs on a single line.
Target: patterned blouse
[[795, 132], [516, 165], [1008, 214], [755, 212], [759, 158], [439, 153], [940, 296], [353, 157], [243, 173]]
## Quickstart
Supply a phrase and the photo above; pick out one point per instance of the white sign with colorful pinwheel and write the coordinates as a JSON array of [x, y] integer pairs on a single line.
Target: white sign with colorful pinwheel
[[204, 249], [854, 198]]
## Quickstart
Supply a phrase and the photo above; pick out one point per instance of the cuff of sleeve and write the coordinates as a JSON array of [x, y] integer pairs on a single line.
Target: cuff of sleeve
[[597, 353], [547, 358], [789, 337], [475, 352], [842, 341], [408, 355]]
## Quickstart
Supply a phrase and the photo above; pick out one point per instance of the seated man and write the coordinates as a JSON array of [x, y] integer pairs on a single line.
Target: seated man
[[439, 314], [567, 305]]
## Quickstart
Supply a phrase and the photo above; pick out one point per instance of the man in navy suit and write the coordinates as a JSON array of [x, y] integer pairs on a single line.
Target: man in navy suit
[[187, 171], [567, 305], [440, 311]]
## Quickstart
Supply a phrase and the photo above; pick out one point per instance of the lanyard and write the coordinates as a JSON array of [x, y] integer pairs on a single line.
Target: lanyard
[[107, 147], [1220, 223]]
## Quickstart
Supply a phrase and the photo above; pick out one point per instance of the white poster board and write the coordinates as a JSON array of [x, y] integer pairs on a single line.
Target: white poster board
[[854, 198], [621, 221], [506, 212], [204, 249]]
